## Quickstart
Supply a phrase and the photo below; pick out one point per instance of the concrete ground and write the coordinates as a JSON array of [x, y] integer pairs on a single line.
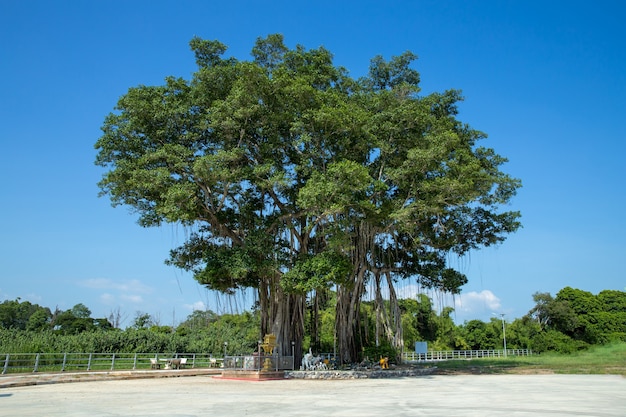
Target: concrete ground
[[206, 395]]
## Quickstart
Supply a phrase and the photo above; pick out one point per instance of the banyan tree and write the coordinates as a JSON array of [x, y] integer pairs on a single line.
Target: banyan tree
[[295, 179]]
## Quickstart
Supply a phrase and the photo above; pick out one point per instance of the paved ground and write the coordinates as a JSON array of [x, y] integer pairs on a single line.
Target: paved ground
[[29, 379], [458, 395]]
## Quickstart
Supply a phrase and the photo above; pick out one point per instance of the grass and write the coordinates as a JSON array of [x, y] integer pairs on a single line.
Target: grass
[[608, 359]]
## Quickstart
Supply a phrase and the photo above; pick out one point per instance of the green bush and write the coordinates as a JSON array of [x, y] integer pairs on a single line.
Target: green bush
[[374, 353], [555, 341]]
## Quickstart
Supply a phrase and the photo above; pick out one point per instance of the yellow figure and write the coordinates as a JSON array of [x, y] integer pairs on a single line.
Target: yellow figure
[[384, 362], [269, 343]]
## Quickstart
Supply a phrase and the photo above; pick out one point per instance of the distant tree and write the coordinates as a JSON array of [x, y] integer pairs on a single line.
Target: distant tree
[[103, 324], [81, 311], [199, 319], [612, 301], [39, 320], [520, 333], [614, 305], [410, 323], [16, 314], [582, 317], [420, 320], [67, 323], [426, 318], [142, 320], [581, 302], [481, 335], [448, 335], [116, 318], [541, 312], [161, 329], [573, 318], [77, 320]]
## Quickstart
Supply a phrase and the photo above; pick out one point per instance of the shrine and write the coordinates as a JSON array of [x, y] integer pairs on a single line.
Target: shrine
[[264, 364]]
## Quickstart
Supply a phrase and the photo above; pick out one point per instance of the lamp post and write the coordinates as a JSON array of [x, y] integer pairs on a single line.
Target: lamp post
[[503, 333], [259, 353], [293, 355], [225, 346]]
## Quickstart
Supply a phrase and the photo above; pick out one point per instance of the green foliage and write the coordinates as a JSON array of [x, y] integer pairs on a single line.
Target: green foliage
[[239, 331], [552, 340], [581, 317], [419, 320], [199, 320], [16, 314], [288, 169], [374, 353], [342, 185], [612, 301], [447, 337], [81, 311], [317, 272], [39, 320], [78, 320], [327, 330], [520, 333], [142, 321], [481, 335]]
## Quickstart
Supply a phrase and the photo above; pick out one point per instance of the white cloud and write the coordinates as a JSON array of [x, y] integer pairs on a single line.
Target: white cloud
[[31, 297], [137, 299], [198, 305], [132, 285], [477, 302], [107, 298], [118, 292], [474, 305], [34, 298]]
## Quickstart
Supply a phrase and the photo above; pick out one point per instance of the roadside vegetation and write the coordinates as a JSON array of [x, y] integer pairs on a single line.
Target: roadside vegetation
[[573, 332]]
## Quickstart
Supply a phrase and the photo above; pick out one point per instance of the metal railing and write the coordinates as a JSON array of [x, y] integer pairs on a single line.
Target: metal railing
[[256, 362], [440, 355], [60, 362]]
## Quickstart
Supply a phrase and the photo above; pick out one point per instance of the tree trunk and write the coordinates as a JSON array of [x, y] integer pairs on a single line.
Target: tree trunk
[[383, 327], [347, 319], [264, 307], [396, 337], [288, 322], [314, 316]]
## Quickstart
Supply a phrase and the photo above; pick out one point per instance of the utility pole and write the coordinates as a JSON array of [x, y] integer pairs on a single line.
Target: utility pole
[[503, 330], [503, 333]]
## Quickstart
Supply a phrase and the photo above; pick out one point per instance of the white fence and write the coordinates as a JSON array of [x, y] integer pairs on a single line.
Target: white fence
[[441, 355]]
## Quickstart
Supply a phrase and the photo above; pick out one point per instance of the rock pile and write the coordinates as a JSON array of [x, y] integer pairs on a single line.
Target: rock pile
[[380, 373]]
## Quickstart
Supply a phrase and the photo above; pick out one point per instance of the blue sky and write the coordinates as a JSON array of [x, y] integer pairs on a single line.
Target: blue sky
[[545, 80]]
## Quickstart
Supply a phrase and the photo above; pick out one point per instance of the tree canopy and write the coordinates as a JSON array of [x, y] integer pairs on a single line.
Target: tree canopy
[[581, 315], [295, 178], [23, 315]]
